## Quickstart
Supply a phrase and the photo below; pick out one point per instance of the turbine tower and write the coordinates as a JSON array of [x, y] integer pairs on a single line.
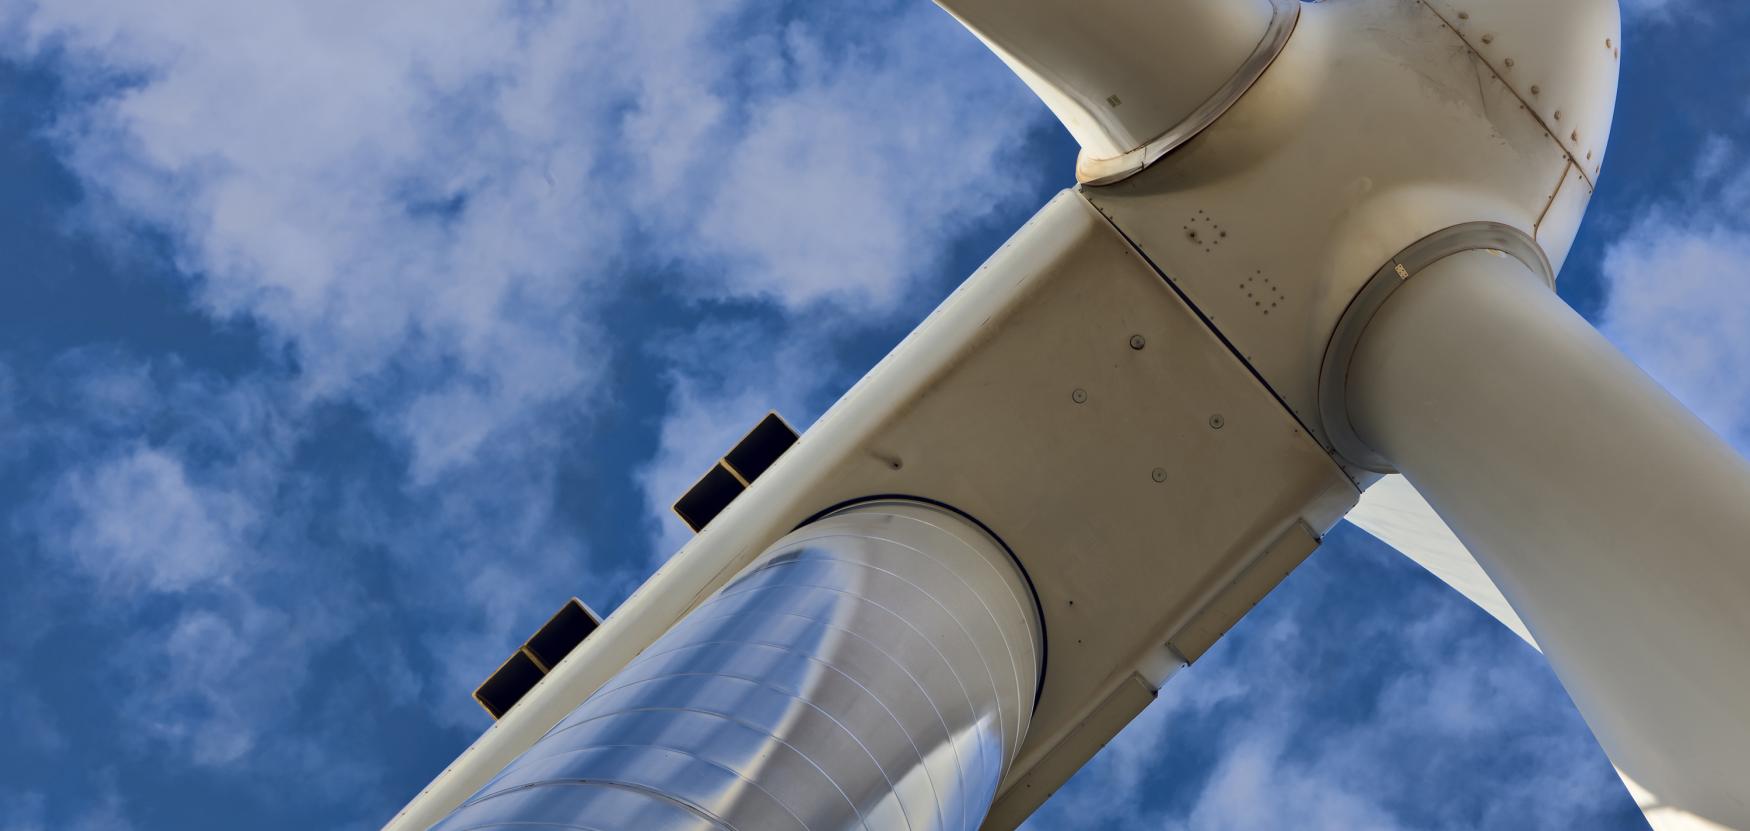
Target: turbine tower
[[1306, 272]]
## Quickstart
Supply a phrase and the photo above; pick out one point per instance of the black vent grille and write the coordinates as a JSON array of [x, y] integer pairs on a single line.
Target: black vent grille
[[536, 657]]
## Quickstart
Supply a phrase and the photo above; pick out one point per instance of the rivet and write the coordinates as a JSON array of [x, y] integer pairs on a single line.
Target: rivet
[[1574, 135], [1509, 63], [1464, 15], [1159, 474], [1558, 115], [1080, 396], [1488, 39], [1138, 341], [1608, 44], [1216, 422], [1536, 90]]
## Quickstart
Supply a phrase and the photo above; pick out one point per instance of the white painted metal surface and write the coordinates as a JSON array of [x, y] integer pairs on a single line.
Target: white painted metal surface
[[1131, 81], [1559, 57], [1375, 127], [1560, 222], [1610, 517], [1340, 351], [1154, 507], [1394, 512], [1397, 515]]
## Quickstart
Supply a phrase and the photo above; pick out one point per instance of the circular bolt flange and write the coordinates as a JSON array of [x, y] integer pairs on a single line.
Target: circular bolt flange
[[1079, 396], [1159, 475], [1138, 342], [1217, 422]]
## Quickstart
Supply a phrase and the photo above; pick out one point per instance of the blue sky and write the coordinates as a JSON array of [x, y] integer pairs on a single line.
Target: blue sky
[[340, 343]]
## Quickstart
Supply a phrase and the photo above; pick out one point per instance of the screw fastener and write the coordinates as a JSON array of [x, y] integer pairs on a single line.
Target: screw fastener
[[1217, 422], [1137, 342], [1079, 396], [1159, 475]]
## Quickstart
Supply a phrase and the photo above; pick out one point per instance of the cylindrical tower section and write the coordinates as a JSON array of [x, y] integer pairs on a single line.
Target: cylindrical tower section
[[1612, 519], [874, 669]]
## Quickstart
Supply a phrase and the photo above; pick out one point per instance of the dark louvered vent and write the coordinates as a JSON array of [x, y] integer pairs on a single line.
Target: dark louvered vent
[[751, 457], [760, 448], [536, 657]]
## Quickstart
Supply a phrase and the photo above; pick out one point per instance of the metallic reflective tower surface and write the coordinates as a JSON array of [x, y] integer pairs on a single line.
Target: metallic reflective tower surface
[[876, 668]]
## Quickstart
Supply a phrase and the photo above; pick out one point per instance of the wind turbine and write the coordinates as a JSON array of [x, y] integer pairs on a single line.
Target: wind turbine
[[1306, 272]]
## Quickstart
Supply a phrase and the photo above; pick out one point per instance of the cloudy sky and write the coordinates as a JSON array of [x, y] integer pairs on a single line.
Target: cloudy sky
[[340, 342]]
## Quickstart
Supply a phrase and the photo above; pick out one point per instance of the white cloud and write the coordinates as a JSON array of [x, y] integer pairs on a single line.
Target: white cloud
[[222, 675], [452, 189], [1254, 788], [709, 411], [858, 164], [847, 184], [136, 523], [213, 649], [1657, 10], [425, 209], [359, 182], [1679, 283], [423, 214]]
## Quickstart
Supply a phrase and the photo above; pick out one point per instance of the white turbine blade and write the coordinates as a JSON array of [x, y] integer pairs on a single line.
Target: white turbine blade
[[1395, 514], [1398, 516], [1132, 80]]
